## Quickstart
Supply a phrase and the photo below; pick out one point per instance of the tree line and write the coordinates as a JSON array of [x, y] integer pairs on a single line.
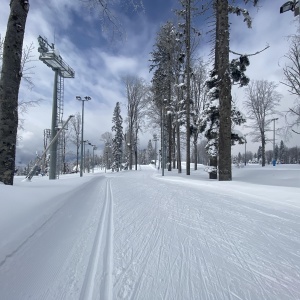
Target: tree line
[[187, 98]]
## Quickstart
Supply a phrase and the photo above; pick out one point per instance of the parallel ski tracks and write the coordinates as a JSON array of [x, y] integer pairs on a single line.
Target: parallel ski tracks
[[98, 282]]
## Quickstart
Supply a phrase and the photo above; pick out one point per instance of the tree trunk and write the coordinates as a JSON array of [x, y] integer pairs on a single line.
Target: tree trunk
[[170, 142], [174, 147], [130, 145], [213, 162], [225, 92], [9, 88], [178, 147], [195, 152], [263, 151], [188, 57]]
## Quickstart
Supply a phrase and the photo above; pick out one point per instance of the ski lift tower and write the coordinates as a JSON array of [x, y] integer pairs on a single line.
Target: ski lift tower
[[52, 59]]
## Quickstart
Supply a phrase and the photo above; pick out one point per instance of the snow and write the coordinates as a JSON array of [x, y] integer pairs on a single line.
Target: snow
[[138, 235]]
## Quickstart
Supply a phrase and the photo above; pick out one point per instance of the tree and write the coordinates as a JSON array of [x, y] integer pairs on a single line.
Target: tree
[[117, 140], [292, 81], [199, 94], [261, 102], [276, 152], [222, 52], [164, 62], [137, 91], [107, 137], [75, 135], [282, 152], [9, 87], [219, 115], [150, 151], [224, 84], [26, 72], [11, 76]]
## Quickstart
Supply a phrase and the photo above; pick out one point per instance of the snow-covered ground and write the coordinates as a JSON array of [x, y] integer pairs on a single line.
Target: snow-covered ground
[[138, 235]]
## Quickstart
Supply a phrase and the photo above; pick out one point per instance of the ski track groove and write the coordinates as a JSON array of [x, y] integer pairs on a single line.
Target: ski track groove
[[101, 258]]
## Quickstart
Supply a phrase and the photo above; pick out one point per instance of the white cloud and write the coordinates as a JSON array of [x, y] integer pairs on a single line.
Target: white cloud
[[99, 67]]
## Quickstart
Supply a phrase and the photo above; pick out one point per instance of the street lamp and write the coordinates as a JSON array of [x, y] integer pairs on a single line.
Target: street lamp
[[86, 98], [274, 160]]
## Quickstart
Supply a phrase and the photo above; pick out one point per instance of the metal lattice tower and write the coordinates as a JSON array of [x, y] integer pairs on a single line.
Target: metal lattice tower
[[50, 56], [59, 122]]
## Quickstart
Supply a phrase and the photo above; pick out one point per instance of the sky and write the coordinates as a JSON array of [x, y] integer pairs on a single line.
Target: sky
[[140, 235], [100, 62]]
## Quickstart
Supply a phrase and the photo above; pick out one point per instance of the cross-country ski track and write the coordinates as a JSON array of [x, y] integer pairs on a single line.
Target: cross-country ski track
[[137, 235]]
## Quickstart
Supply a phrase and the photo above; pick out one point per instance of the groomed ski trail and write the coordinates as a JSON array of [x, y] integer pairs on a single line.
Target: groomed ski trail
[[100, 267]]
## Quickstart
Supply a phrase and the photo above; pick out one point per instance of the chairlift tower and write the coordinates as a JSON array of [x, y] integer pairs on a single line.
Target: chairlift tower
[[50, 56]]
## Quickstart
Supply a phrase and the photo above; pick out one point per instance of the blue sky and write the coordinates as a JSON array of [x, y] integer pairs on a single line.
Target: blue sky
[[99, 65]]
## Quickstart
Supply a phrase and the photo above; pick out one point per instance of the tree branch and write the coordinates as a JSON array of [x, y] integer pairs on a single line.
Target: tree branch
[[236, 53]]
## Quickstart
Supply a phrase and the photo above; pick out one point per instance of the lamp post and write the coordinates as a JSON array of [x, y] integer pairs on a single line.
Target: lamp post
[[274, 160], [86, 98]]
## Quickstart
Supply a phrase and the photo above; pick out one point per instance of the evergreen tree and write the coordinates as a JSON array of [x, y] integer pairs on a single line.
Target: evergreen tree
[[150, 151], [166, 60], [117, 140], [276, 153], [282, 152]]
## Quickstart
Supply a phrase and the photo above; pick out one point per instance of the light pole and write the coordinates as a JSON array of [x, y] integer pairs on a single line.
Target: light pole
[[86, 98], [274, 160]]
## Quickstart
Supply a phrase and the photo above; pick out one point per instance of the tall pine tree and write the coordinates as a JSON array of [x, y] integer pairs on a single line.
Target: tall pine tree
[[117, 140]]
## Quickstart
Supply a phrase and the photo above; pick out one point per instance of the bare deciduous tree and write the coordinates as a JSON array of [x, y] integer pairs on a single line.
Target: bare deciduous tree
[[292, 81], [261, 102], [26, 67], [137, 92], [107, 138]]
